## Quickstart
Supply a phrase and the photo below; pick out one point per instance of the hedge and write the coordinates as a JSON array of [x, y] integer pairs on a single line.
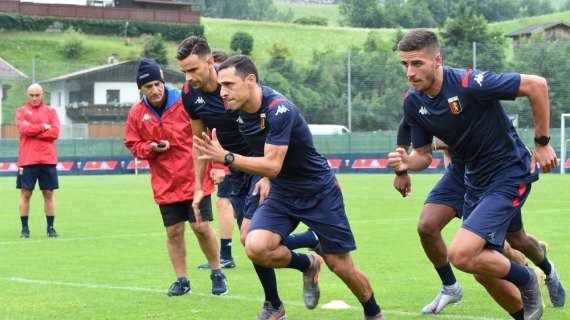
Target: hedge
[[170, 31]]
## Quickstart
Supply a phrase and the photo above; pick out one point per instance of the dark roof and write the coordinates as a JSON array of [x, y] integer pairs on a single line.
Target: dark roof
[[124, 71], [8, 72], [538, 27]]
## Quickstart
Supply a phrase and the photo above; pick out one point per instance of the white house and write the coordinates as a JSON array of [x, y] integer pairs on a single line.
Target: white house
[[7, 72]]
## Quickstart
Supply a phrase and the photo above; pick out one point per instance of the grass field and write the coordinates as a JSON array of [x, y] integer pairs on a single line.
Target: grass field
[[110, 261]]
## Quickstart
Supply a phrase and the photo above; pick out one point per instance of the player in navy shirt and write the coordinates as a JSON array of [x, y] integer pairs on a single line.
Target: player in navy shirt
[[462, 109], [201, 98], [303, 186]]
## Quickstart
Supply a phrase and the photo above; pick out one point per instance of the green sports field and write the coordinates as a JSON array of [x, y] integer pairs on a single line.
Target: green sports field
[[110, 261]]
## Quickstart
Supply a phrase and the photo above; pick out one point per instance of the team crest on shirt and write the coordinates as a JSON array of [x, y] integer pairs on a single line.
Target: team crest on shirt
[[262, 118], [455, 105]]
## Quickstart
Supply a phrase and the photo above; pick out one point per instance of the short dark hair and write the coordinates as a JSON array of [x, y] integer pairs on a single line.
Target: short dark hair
[[193, 45], [219, 56], [243, 64], [418, 39]]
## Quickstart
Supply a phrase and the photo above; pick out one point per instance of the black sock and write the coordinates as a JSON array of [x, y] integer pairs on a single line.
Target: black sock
[[371, 308], [446, 274], [518, 275], [545, 266], [50, 221], [269, 283], [306, 239], [24, 220], [226, 249], [299, 261], [519, 315]]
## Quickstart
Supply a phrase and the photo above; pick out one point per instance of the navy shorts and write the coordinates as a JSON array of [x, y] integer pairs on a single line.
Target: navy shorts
[[173, 213], [450, 189], [495, 212], [225, 188], [246, 203], [45, 174], [323, 213]]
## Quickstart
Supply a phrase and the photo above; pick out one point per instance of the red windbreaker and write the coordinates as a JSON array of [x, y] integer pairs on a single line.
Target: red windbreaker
[[37, 142], [172, 172]]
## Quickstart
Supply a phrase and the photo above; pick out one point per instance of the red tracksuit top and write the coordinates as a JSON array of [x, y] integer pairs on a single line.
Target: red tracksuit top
[[172, 172], [37, 144]]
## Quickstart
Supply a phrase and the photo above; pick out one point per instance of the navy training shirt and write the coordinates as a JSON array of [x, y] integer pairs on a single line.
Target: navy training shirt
[[209, 107], [468, 117], [278, 122]]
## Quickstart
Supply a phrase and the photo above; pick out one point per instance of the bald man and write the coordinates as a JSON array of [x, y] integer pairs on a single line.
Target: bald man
[[38, 126]]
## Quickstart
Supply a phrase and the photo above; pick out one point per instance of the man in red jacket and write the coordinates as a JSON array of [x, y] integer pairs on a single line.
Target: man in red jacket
[[38, 126], [158, 130]]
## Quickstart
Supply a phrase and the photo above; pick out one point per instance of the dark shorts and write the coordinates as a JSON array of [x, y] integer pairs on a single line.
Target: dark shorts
[[495, 212], [45, 174], [225, 188], [174, 213], [246, 203], [323, 213], [450, 190]]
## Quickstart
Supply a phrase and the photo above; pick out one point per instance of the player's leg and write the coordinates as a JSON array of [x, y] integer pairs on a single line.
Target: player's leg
[[48, 182], [26, 182], [504, 293], [226, 223], [208, 241], [174, 217], [433, 219]]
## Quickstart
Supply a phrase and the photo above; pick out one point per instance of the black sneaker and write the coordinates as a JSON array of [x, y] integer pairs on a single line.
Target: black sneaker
[[219, 284], [25, 233], [224, 263], [179, 288], [51, 233]]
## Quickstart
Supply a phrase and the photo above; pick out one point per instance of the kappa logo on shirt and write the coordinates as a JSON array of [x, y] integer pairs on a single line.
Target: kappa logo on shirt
[[239, 120], [423, 111], [200, 100], [479, 79], [146, 117], [281, 109], [29, 111]]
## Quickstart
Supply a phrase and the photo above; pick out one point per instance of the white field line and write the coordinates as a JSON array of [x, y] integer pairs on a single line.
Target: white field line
[[230, 296], [46, 240]]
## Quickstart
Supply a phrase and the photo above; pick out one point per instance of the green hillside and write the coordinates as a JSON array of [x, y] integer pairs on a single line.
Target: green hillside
[[327, 11]]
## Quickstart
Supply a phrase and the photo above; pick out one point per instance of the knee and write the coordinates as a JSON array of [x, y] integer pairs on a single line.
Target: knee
[[175, 233], [48, 195], [26, 194], [428, 229], [459, 258], [201, 229], [255, 251], [338, 266]]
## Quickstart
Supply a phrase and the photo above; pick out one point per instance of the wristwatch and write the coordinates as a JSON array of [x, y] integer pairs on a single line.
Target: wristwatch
[[228, 159], [542, 140]]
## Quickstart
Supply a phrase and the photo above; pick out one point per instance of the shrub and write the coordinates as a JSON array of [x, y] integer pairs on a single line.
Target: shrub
[[242, 42]]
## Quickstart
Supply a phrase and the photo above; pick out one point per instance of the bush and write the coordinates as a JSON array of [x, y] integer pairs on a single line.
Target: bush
[[170, 31], [312, 20], [72, 45], [154, 48], [242, 42]]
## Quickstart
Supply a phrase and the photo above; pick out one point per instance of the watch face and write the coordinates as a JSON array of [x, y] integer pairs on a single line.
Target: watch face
[[229, 158]]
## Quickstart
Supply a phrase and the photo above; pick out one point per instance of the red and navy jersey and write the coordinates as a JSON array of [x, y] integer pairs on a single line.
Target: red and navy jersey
[[279, 122], [209, 107], [467, 115]]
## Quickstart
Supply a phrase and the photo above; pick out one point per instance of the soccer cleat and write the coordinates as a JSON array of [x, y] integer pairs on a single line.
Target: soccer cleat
[[270, 313], [379, 316], [219, 283], [556, 290], [226, 264], [311, 291], [51, 233], [447, 295], [25, 233], [179, 287], [532, 299]]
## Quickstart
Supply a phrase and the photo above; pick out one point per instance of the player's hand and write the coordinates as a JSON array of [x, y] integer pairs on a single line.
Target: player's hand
[[403, 183], [46, 126], [545, 157], [398, 159], [217, 175], [160, 146], [262, 188], [196, 200], [210, 148]]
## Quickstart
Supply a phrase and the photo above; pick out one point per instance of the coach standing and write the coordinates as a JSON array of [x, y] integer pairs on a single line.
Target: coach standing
[[38, 126]]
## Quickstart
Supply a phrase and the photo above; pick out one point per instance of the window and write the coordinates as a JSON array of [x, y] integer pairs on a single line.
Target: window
[[113, 96]]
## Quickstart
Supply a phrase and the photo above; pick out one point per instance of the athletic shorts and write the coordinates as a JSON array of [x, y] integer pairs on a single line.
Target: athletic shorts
[[246, 204], [176, 212], [450, 189], [45, 174], [495, 212], [225, 188], [323, 213]]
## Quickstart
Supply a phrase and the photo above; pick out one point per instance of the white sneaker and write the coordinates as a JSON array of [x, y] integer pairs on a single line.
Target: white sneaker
[[447, 295]]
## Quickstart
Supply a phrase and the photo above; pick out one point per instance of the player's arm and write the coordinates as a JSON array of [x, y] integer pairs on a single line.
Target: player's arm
[[53, 127], [536, 89], [267, 166], [198, 128], [418, 160], [25, 127], [139, 147], [402, 181]]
